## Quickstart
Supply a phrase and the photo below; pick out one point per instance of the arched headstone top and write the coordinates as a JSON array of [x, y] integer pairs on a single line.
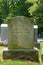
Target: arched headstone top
[[21, 18]]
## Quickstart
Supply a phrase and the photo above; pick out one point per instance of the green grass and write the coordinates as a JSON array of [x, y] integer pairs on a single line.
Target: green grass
[[15, 62], [41, 45]]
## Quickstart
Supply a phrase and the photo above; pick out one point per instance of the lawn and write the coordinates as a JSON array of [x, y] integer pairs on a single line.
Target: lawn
[[15, 62]]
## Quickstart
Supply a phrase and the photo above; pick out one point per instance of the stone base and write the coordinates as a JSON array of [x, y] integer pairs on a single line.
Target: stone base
[[21, 54]]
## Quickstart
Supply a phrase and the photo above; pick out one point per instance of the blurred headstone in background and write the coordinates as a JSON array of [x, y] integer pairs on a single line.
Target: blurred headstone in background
[[0, 33], [4, 32], [35, 33]]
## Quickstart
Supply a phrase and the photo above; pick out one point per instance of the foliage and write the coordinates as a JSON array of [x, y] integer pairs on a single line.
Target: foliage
[[12, 8], [31, 1], [36, 11], [3, 10], [1, 0], [29, 8], [33, 8]]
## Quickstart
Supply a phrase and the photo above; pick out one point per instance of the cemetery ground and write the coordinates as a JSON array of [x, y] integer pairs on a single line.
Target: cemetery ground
[[15, 62]]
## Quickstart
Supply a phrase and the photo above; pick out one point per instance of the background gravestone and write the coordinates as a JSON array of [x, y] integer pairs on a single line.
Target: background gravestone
[[0, 33], [37, 43], [21, 33], [4, 32], [35, 33]]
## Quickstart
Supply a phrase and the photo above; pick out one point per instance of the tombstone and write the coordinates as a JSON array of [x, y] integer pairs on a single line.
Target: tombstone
[[0, 34], [21, 33], [0, 29], [35, 33], [4, 32], [20, 37], [37, 43]]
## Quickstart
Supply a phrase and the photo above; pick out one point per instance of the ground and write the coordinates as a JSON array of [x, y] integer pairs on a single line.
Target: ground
[[15, 62]]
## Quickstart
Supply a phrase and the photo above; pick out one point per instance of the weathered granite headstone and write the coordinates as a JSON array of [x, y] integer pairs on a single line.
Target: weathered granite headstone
[[4, 32], [20, 39], [21, 33]]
